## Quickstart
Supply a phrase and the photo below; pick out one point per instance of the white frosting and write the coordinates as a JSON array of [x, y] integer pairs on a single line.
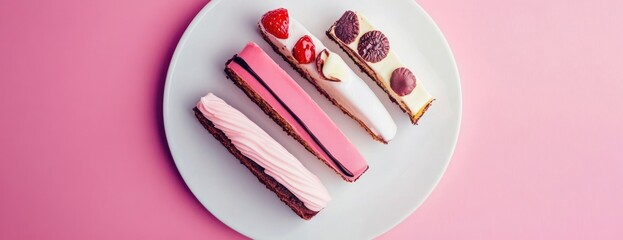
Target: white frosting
[[351, 93], [418, 98], [257, 145]]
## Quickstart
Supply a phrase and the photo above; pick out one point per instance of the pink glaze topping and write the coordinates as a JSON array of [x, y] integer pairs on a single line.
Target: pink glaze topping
[[304, 108], [254, 143]]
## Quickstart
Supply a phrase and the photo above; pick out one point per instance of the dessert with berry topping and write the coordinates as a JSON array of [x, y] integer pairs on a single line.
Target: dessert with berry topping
[[281, 98], [328, 72], [370, 49], [270, 162]]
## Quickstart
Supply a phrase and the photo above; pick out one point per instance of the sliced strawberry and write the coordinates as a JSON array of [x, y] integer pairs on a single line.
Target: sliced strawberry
[[276, 22], [304, 50]]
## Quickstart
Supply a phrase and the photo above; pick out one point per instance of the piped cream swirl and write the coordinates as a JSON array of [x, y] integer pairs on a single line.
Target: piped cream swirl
[[257, 145]]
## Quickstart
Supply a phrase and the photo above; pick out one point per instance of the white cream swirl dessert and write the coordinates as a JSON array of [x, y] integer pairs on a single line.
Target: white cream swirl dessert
[[274, 166]]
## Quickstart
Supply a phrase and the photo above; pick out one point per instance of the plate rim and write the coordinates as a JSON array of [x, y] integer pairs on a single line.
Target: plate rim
[[458, 124], [167, 89]]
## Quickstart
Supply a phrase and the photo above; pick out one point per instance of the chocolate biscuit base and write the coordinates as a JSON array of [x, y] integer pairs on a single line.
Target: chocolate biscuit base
[[265, 106], [372, 74], [306, 75], [282, 192]]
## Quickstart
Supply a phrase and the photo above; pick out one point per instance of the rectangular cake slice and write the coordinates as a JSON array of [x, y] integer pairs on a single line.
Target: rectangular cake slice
[[270, 162], [328, 72], [370, 50], [281, 98]]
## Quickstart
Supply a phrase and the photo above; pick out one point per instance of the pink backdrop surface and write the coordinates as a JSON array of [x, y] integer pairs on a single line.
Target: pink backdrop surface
[[84, 156]]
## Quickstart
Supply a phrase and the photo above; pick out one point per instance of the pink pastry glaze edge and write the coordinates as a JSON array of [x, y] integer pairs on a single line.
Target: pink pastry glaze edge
[[254, 143], [303, 106]]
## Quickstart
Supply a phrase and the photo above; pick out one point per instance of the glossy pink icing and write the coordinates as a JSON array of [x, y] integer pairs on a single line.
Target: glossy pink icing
[[303, 106]]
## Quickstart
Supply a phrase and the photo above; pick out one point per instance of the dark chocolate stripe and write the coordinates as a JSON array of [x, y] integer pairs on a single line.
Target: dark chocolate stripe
[[246, 67]]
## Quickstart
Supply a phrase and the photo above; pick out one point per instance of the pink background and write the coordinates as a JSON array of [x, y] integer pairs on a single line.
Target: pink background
[[84, 156]]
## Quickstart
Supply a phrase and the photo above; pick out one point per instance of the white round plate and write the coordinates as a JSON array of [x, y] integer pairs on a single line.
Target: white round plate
[[401, 175]]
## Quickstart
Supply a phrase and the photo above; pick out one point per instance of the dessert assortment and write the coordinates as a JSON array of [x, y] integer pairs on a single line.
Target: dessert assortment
[[270, 162], [288, 105], [281, 98], [370, 49], [327, 71]]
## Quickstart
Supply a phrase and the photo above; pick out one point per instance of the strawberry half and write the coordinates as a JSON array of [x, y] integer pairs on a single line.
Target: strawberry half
[[276, 22], [304, 50]]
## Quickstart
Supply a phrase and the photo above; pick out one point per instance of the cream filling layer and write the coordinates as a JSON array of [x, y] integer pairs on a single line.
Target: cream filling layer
[[418, 98], [257, 145], [352, 93]]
